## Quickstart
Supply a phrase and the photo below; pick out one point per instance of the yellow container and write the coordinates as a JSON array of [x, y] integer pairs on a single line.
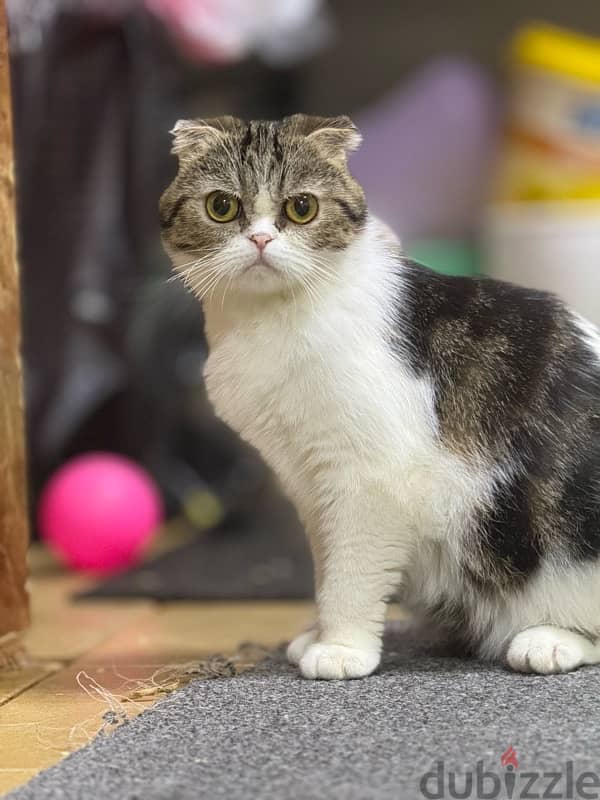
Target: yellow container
[[552, 142], [557, 50]]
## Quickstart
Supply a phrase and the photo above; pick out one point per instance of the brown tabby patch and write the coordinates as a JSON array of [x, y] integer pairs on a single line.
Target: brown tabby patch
[[516, 386]]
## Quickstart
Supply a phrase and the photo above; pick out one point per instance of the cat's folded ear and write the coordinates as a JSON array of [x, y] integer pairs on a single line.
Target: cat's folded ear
[[334, 136], [197, 136]]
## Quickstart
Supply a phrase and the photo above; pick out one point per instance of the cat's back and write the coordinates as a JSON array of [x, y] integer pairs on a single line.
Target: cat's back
[[503, 359]]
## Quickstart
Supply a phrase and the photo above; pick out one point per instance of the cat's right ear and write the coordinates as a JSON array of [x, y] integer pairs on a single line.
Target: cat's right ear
[[196, 136]]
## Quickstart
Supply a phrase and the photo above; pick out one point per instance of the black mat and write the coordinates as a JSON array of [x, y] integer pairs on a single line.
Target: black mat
[[260, 554], [424, 726]]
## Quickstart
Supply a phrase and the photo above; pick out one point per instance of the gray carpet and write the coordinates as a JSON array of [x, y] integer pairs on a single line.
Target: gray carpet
[[269, 734]]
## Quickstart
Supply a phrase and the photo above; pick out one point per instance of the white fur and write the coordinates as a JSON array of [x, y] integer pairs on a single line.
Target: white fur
[[547, 649], [310, 380]]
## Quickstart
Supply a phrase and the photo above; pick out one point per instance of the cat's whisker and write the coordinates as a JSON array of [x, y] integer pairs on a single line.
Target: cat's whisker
[[225, 290], [212, 291], [200, 266], [186, 269], [310, 293], [206, 281], [209, 285], [196, 285], [320, 272], [291, 285], [182, 267], [209, 255]]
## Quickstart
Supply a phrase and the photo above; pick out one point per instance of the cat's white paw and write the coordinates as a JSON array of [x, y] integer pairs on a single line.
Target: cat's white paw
[[298, 646], [336, 662], [545, 649]]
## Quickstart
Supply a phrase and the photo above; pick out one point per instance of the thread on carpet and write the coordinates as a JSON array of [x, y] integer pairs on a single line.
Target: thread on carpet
[[133, 696], [171, 677], [116, 710]]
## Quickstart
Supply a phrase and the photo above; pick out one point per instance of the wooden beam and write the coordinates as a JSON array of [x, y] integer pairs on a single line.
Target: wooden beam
[[14, 607]]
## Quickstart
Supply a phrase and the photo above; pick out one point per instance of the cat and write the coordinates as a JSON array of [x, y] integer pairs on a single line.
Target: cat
[[438, 435]]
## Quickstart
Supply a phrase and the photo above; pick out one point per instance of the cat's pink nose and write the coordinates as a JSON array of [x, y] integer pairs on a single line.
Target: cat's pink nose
[[261, 240]]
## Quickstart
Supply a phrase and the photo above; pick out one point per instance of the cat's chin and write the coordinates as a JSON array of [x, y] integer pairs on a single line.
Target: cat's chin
[[260, 265], [259, 277]]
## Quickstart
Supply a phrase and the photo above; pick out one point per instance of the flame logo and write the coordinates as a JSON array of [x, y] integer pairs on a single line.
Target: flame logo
[[509, 757]]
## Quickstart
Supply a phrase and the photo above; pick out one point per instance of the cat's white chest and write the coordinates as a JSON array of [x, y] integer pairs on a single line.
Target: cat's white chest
[[269, 389], [324, 403], [332, 410], [259, 387]]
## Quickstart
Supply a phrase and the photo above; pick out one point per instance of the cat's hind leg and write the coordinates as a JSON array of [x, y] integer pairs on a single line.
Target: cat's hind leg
[[547, 649]]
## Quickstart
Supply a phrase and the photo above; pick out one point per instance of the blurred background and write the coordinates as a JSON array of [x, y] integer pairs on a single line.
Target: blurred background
[[481, 128]]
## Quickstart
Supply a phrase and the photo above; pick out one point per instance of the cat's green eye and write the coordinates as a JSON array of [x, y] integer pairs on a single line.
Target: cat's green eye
[[302, 208], [222, 207]]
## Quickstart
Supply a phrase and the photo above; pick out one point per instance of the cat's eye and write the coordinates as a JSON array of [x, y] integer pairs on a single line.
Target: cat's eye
[[222, 207], [302, 208]]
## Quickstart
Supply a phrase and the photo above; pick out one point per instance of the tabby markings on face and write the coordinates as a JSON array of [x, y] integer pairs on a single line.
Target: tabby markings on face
[[274, 196]]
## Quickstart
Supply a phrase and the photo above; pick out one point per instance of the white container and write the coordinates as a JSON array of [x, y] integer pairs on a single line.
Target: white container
[[548, 246], [542, 229]]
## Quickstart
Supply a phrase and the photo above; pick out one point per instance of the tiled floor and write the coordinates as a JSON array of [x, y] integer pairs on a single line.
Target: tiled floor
[[87, 658]]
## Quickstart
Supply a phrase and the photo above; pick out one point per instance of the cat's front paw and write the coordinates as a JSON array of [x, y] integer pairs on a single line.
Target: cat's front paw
[[546, 649], [298, 646], [337, 662]]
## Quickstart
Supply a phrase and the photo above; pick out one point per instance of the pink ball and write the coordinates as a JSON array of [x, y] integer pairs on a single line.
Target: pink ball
[[98, 511]]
